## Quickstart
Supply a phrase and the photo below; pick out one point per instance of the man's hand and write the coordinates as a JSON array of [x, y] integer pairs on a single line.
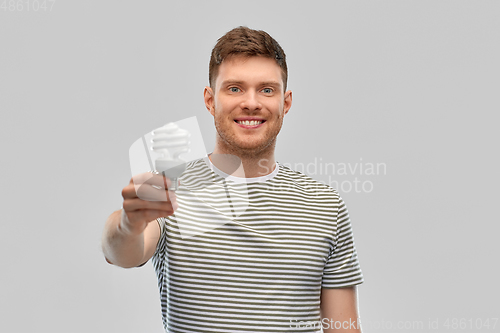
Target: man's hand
[[130, 237], [145, 199]]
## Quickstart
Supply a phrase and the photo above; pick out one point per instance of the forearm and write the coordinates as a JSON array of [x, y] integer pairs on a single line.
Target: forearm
[[339, 310], [120, 246], [345, 324]]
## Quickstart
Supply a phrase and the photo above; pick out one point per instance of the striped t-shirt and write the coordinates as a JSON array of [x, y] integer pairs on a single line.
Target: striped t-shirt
[[252, 254]]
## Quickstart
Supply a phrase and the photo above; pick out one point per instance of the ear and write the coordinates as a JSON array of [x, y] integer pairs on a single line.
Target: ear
[[287, 101], [208, 96]]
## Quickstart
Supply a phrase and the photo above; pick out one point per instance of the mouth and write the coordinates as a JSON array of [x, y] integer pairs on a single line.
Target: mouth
[[249, 122]]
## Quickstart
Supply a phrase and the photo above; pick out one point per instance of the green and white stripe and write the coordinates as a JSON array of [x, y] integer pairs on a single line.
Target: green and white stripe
[[251, 255]]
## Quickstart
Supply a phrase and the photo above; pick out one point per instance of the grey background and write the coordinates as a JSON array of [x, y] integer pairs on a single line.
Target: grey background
[[411, 84]]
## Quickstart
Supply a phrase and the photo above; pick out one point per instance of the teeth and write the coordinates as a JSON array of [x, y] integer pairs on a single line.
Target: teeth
[[250, 122]]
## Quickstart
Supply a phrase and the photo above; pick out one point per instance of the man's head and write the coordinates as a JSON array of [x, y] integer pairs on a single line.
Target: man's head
[[243, 41], [247, 96]]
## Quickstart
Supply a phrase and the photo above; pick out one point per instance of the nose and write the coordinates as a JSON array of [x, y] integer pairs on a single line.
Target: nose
[[250, 101]]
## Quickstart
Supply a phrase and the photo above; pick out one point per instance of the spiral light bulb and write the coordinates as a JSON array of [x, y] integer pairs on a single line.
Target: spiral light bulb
[[170, 141]]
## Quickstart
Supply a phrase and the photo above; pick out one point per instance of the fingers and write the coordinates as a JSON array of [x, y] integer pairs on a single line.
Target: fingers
[[132, 205], [145, 199], [135, 222], [151, 193], [146, 215], [149, 187], [151, 178], [138, 213]]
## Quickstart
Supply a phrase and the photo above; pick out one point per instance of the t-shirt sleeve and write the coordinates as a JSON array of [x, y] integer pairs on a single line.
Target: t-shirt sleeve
[[342, 268], [160, 247]]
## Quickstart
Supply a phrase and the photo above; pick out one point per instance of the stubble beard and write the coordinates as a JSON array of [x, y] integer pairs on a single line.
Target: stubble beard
[[228, 143]]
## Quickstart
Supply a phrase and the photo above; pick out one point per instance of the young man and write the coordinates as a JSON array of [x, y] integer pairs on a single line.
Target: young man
[[281, 257]]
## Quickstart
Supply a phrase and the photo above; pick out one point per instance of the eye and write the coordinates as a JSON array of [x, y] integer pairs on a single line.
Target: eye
[[267, 90], [234, 89]]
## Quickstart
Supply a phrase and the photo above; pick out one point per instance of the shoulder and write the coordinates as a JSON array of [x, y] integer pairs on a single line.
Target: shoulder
[[197, 172], [301, 180], [196, 168], [196, 164]]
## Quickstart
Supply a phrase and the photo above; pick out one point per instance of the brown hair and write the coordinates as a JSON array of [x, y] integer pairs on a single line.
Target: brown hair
[[247, 42]]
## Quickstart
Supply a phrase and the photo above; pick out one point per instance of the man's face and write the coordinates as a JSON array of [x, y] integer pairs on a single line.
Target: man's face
[[248, 105]]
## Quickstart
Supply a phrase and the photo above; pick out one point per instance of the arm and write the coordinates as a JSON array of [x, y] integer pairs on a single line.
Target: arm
[[339, 310], [124, 248], [131, 234]]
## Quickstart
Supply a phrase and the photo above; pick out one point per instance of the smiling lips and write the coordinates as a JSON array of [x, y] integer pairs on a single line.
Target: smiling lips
[[249, 123]]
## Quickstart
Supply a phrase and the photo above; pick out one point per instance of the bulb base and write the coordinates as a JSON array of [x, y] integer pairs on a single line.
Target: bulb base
[[174, 184], [172, 170]]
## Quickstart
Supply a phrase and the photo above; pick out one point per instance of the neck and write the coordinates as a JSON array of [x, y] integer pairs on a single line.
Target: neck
[[254, 164]]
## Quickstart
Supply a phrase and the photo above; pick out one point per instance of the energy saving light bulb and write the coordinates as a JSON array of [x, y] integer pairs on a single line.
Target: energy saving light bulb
[[170, 141]]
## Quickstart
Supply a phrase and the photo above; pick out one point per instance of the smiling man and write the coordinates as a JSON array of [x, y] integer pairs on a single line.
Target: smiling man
[[248, 101], [281, 257]]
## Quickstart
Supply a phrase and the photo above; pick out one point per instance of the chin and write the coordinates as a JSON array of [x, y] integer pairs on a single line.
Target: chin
[[244, 144], [255, 149]]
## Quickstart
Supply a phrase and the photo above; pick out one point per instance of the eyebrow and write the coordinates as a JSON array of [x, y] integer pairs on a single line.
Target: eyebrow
[[265, 83]]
